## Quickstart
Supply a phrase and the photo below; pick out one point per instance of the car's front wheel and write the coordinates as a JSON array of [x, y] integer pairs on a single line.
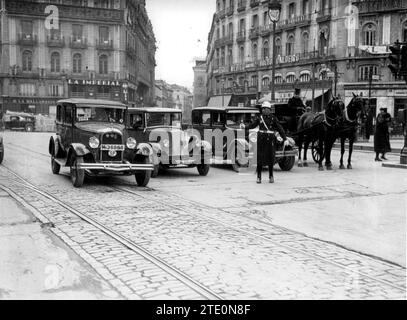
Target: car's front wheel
[[77, 175], [203, 169], [55, 166], [143, 177], [286, 163], [29, 128], [1, 153]]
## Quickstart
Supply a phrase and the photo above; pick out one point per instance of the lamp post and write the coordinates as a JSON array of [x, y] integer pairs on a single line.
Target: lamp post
[[274, 10]]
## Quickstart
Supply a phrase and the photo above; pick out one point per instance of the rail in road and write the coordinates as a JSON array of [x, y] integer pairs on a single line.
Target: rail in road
[[278, 237]]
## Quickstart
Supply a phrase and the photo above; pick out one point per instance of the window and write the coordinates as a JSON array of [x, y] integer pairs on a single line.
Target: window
[[55, 62], [56, 90], [405, 32], [323, 42], [218, 118], [103, 64], [305, 77], [230, 30], [364, 72], [27, 29], [305, 7], [254, 81], [290, 46], [55, 34], [255, 21], [305, 42], [206, 118], [230, 56], [278, 79], [254, 52], [223, 31], [278, 47], [222, 57], [265, 82], [242, 25], [290, 78], [77, 63], [59, 113], [104, 35], [68, 114], [266, 19], [27, 61], [27, 89], [369, 35], [266, 50], [241, 54], [105, 4], [291, 10], [77, 32]]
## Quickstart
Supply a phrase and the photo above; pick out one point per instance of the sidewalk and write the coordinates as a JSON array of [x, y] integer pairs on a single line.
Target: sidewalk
[[396, 145], [35, 264]]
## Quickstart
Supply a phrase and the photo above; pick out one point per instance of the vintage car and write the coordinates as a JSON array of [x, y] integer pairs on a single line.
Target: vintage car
[[91, 139], [236, 144], [172, 147], [19, 121]]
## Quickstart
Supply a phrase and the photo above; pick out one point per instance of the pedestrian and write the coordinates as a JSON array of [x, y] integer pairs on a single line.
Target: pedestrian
[[266, 139], [295, 102], [382, 136]]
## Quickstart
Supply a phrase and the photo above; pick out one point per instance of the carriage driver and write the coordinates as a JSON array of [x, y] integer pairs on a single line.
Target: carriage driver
[[266, 139]]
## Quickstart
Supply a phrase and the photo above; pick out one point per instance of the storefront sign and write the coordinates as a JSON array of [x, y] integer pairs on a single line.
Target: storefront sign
[[400, 93], [288, 59], [94, 82]]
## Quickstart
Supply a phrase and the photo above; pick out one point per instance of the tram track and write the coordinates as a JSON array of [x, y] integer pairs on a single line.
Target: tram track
[[179, 274]]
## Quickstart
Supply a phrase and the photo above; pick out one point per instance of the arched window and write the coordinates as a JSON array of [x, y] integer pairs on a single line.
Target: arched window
[[241, 54], [103, 64], [27, 61], [278, 79], [266, 50], [265, 82], [77, 63], [254, 81], [290, 45], [369, 35], [55, 62], [323, 42], [222, 57], [254, 52], [278, 47], [305, 77], [290, 78], [230, 56], [305, 42]]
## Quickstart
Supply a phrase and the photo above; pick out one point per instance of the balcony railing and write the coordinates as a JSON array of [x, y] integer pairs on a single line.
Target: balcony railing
[[254, 32], [366, 7], [254, 3], [221, 14], [266, 30], [241, 5], [55, 41], [295, 21], [104, 44], [241, 36], [324, 14], [230, 10], [78, 43], [26, 39]]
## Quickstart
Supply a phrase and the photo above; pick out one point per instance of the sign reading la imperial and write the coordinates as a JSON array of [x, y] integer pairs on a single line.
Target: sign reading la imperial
[[94, 82]]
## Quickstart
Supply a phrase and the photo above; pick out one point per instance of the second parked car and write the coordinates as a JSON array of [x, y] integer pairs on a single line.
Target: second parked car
[[19, 121]]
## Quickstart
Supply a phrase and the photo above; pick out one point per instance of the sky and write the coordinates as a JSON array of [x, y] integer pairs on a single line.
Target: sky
[[181, 29]]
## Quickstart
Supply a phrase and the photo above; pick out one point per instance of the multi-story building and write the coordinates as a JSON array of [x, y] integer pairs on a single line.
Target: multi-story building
[[321, 46], [102, 49], [182, 98], [199, 91], [167, 94]]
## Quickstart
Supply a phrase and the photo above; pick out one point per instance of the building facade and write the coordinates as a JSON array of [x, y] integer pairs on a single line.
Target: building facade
[[199, 91], [322, 46], [102, 49]]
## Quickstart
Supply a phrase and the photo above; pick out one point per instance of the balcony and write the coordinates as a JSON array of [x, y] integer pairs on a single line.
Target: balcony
[[27, 39], [254, 33], [324, 15], [55, 41], [221, 14], [230, 10], [241, 5], [241, 36], [254, 3], [266, 30], [311, 55], [378, 6], [104, 44], [224, 41], [295, 21], [78, 43]]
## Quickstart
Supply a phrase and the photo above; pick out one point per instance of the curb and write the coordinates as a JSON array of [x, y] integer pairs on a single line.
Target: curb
[[367, 148], [394, 165]]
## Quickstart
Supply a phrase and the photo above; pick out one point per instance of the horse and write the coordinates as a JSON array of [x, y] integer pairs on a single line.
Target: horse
[[319, 126], [348, 127]]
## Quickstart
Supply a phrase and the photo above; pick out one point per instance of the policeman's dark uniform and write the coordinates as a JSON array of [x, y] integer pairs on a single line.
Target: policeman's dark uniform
[[266, 142]]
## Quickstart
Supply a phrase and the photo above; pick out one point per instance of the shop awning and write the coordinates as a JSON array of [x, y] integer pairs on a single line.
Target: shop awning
[[219, 101]]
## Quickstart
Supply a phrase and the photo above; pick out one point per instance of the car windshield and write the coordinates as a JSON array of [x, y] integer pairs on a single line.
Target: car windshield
[[97, 114], [156, 119], [234, 120]]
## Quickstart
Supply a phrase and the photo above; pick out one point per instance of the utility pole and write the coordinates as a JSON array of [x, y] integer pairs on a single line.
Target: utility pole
[[313, 86]]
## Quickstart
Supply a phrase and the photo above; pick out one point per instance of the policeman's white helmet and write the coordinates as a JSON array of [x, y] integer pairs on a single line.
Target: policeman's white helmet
[[266, 104]]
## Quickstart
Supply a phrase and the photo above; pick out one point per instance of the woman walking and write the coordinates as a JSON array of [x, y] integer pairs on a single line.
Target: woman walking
[[381, 136], [266, 139]]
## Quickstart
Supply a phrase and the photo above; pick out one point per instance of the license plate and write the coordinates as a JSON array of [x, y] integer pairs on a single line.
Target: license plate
[[115, 147]]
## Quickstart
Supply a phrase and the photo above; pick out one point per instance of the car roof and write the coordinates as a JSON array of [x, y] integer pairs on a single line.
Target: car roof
[[154, 109], [94, 103], [20, 114], [245, 109]]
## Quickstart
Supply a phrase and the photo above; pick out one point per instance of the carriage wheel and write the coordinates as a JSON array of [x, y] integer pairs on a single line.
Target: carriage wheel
[[316, 155]]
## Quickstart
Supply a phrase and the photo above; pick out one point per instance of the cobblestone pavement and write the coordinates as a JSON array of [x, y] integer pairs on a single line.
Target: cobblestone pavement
[[230, 254]]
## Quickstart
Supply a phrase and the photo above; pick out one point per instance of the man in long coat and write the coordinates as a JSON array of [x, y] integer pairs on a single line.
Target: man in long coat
[[382, 136], [266, 139]]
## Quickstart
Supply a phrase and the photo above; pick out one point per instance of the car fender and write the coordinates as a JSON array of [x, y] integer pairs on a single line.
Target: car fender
[[54, 145], [141, 147], [156, 149], [77, 150]]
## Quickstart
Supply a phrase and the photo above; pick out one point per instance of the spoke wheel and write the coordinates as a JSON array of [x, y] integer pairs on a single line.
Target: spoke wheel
[[55, 167], [317, 151], [77, 175]]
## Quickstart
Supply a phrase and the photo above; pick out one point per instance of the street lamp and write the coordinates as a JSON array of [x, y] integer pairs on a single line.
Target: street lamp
[[274, 10]]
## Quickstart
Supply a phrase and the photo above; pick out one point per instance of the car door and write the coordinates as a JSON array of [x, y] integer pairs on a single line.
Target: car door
[[136, 127], [67, 131]]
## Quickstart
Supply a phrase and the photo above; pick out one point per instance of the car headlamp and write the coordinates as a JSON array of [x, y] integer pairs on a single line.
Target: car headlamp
[[94, 142], [166, 143], [131, 143]]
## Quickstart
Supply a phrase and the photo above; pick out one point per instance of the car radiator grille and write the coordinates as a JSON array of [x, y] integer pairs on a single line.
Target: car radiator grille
[[112, 138]]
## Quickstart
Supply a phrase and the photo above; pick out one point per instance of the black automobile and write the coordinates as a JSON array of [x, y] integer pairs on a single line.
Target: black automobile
[[172, 147], [19, 121], [91, 139], [234, 144]]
